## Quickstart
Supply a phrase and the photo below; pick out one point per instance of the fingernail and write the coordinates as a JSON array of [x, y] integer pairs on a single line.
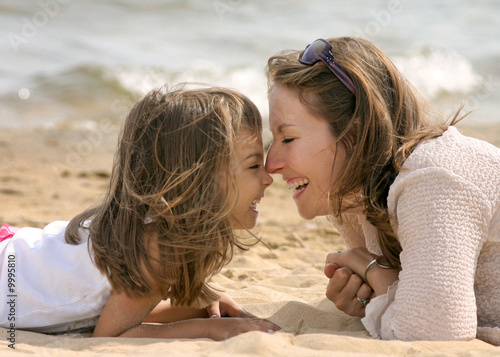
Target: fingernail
[[213, 316]]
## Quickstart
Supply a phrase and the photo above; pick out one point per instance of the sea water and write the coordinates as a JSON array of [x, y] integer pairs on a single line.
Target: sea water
[[71, 62]]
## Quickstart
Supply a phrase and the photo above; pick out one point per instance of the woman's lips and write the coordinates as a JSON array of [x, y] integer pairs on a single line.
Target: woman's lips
[[298, 186]]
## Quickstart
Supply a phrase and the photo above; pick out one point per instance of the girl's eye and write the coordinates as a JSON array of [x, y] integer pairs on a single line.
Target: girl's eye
[[286, 141], [256, 166]]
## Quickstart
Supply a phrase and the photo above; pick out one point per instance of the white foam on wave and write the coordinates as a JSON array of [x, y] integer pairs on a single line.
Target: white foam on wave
[[439, 71], [247, 80]]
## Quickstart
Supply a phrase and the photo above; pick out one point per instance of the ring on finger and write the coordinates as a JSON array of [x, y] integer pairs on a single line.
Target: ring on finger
[[363, 302]]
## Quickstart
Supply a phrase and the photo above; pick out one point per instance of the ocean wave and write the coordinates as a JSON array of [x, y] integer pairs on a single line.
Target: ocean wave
[[250, 81], [91, 92], [439, 72]]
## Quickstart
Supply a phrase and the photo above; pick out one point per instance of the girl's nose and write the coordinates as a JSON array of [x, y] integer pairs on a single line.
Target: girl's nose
[[268, 180]]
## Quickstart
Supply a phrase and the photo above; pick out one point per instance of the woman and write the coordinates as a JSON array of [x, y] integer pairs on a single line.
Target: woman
[[416, 202]]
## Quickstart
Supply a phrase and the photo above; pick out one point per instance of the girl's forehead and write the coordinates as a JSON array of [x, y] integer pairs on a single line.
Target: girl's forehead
[[248, 142], [249, 135]]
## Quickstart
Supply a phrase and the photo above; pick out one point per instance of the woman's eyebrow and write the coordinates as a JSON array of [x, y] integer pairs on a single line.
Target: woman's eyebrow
[[282, 126]]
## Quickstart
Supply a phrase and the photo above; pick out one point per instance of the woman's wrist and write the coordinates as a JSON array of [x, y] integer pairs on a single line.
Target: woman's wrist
[[357, 259], [380, 276], [370, 267], [377, 261], [370, 264]]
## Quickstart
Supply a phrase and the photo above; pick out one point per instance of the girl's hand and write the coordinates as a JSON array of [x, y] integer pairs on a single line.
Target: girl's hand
[[221, 329], [123, 316], [226, 307]]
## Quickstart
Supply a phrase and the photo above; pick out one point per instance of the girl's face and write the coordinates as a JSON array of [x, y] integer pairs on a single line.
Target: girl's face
[[303, 151], [252, 179]]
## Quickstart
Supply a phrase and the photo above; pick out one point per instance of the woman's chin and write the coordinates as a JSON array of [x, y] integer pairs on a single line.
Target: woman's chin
[[307, 213]]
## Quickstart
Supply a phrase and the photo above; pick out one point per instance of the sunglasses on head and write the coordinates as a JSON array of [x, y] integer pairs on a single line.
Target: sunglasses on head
[[319, 50]]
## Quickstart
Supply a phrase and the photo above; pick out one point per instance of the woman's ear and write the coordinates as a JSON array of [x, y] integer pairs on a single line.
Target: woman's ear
[[353, 132]]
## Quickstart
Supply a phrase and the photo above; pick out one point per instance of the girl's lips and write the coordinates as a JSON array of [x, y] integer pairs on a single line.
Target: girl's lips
[[253, 205]]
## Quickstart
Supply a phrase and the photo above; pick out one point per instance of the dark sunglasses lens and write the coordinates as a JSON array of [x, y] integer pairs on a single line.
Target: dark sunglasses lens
[[312, 52]]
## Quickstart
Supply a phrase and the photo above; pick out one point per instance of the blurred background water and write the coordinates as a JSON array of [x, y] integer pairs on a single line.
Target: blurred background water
[[76, 63]]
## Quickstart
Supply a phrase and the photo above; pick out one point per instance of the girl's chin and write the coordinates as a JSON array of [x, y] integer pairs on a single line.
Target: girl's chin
[[241, 226]]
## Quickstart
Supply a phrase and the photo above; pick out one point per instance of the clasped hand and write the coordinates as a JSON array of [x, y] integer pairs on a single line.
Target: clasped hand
[[346, 288]]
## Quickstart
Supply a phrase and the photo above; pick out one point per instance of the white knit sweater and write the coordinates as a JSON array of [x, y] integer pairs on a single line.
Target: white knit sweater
[[445, 208]]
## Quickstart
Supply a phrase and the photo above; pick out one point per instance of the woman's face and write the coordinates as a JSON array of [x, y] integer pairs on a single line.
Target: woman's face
[[303, 152]]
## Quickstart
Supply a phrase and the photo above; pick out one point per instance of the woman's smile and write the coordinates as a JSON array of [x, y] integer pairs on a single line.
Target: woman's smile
[[303, 151]]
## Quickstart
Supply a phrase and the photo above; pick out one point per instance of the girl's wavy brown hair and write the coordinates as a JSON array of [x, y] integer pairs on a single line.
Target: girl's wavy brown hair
[[379, 127], [172, 163]]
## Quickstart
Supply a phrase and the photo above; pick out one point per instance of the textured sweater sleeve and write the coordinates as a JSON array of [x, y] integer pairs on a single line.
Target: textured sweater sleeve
[[441, 221]]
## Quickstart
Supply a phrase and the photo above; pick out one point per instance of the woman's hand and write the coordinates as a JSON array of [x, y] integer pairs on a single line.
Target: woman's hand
[[357, 259], [226, 307], [347, 290], [223, 328]]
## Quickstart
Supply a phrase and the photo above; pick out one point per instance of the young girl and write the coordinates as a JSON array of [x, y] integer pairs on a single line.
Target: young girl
[[188, 170], [416, 202]]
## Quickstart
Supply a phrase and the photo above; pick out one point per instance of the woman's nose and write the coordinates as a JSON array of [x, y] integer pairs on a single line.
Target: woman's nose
[[273, 162]]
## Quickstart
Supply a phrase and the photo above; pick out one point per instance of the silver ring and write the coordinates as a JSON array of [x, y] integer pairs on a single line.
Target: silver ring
[[363, 302]]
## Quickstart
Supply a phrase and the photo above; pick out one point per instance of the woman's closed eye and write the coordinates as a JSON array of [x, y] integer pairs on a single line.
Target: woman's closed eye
[[287, 140]]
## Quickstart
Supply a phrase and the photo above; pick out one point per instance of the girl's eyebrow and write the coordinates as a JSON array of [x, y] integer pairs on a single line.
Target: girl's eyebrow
[[254, 154]]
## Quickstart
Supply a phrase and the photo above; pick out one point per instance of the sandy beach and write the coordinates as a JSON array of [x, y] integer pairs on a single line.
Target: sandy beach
[[54, 174]]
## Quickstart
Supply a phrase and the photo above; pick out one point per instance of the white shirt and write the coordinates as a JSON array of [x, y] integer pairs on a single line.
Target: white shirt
[[56, 287]]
